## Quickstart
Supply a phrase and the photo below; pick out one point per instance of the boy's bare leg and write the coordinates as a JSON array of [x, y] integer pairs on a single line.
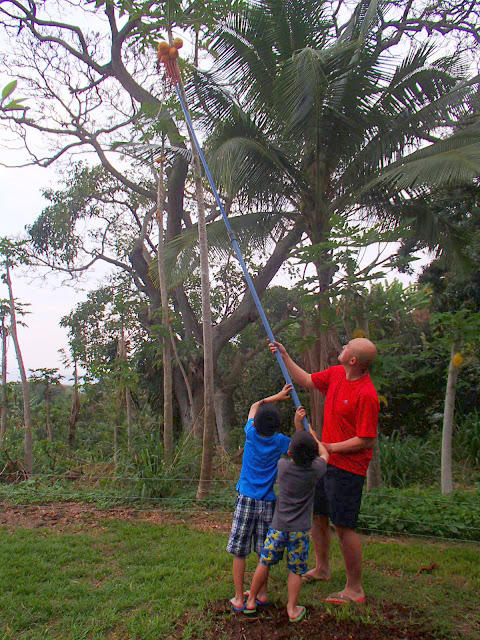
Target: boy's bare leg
[[294, 584], [238, 576], [321, 543], [262, 594], [260, 578], [352, 556]]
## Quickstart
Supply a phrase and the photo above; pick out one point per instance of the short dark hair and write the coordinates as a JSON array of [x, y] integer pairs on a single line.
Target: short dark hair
[[303, 448], [267, 419]]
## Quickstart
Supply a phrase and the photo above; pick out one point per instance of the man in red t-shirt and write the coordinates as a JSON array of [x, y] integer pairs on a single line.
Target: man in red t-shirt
[[349, 432]]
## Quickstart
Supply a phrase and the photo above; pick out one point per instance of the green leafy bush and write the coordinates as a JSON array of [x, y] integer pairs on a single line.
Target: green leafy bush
[[409, 460], [157, 480], [466, 439], [420, 511]]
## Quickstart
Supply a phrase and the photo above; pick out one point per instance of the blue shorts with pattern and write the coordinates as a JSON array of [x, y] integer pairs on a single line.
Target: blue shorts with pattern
[[297, 544], [251, 521]]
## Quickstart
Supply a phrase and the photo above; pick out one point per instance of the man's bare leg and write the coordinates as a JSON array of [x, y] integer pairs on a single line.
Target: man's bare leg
[[320, 535], [352, 556]]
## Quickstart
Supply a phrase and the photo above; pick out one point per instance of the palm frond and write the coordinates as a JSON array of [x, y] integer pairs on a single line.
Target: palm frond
[[449, 162], [390, 137], [149, 152], [255, 232], [358, 27], [244, 158], [209, 101]]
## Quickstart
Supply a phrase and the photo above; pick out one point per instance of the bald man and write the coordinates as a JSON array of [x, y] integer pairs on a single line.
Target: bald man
[[349, 430]]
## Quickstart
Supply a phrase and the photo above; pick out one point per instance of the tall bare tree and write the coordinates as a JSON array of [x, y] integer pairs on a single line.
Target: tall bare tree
[[12, 253], [4, 312]]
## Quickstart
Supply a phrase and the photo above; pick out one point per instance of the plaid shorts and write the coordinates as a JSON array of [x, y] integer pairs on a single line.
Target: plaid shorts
[[297, 545], [251, 521]]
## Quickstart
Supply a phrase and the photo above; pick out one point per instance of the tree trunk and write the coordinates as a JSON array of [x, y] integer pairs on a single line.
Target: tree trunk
[[190, 411], [322, 355], [74, 409], [48, 422], [374, 471], [128, 407], [4, 412], [166, 344], [449, 410], [128, 396], [116, 445], [27, 416], [208, 373], [224, 414]]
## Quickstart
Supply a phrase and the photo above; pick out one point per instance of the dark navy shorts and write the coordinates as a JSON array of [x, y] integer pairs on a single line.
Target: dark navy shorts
[[338, 495]]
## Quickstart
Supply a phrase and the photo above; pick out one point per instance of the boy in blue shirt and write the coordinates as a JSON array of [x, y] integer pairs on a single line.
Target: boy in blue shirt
[[255, 502]]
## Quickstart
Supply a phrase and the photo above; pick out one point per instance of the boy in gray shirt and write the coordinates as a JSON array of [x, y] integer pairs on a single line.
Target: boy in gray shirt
[[292, 520]]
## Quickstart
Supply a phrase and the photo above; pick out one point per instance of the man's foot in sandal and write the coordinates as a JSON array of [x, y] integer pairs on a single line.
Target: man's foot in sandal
[[315, 576], [341, 598]]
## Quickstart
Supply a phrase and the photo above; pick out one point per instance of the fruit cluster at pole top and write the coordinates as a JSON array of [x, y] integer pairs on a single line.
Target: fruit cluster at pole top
[[168, 55], [165, 52]]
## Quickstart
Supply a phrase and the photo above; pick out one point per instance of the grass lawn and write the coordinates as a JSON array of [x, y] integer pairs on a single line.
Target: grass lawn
[[101, 575]]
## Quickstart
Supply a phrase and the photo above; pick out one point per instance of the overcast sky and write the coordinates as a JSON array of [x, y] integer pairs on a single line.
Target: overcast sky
[[22, 202]]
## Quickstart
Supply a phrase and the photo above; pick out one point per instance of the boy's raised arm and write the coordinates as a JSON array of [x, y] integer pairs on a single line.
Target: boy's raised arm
[[284, 394], [300, 414], [322, 451]]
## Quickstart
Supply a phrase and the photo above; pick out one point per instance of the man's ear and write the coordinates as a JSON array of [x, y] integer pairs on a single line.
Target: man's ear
[[288, 453], [353, 361]]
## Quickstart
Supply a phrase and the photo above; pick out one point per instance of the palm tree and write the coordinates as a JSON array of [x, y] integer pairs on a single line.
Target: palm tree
[[325, 123]]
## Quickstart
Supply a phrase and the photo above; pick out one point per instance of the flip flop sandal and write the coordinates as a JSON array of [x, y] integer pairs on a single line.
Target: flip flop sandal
[[339, 598], [300, 616]]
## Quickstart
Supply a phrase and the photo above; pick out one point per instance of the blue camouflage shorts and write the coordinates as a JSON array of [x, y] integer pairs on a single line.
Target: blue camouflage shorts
[[251, 521], [297, 544]]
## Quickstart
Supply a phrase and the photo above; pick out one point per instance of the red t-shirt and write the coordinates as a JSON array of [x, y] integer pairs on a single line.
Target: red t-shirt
[[351, 409]]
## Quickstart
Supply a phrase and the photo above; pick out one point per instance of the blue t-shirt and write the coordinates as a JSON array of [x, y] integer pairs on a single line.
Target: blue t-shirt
[[260, 459]]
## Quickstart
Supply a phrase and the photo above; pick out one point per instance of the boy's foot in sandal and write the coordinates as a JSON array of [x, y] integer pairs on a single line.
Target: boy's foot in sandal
[[235, 608], [300, 615], [258, 602]]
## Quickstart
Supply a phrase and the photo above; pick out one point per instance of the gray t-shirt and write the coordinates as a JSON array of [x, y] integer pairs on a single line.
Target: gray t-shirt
[[296, 488]]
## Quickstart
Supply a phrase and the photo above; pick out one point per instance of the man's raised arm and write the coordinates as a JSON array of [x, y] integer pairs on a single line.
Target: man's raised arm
[[297, 374]]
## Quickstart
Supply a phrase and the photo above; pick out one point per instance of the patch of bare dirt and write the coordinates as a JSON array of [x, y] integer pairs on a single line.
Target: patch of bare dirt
[[273, 624], [71, 516]]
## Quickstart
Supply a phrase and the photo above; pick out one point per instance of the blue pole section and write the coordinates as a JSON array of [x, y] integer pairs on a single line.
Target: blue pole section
[[238, 253]]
